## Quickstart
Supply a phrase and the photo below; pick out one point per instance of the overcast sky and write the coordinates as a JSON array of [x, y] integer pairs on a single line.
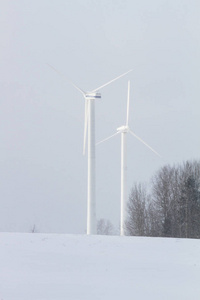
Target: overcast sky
[[43, 174]]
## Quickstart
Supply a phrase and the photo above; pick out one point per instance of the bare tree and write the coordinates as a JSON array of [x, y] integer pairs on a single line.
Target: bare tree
[[172, 208], [34, 229], [176, 199], [105, 227], [163, 191], [136, 223], [189, 202]]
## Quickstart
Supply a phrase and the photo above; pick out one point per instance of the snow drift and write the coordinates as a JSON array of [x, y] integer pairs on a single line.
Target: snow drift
[[58, 267]]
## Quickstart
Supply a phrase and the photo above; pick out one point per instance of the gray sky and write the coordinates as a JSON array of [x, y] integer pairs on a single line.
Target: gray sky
[[43, 174]]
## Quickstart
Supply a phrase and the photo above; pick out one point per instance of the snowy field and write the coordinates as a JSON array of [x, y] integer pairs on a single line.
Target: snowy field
[[58, 267]]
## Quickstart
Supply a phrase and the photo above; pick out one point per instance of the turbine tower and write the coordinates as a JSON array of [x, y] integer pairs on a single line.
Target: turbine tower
[[89, 129], [123, 130]]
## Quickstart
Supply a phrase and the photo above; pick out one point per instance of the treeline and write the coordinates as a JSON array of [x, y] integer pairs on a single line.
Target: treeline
[[171, 207]]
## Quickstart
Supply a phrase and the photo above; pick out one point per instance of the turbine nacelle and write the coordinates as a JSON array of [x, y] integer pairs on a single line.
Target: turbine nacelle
[[92, 95], [123, 128]]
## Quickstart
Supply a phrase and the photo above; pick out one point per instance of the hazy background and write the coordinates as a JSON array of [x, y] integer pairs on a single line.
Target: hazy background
[[43, 174]]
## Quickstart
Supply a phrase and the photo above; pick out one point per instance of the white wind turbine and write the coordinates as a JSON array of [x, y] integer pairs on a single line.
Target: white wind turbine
[[89, 127], [124, 130]]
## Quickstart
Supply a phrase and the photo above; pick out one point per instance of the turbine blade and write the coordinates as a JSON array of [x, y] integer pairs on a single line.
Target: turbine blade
[[76, 87], [111, 81], [128, 101], [107, 138], [137, 137], [85, 126]]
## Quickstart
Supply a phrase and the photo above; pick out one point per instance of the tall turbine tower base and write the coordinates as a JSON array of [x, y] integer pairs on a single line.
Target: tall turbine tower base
[[123, 182], [91, 197]]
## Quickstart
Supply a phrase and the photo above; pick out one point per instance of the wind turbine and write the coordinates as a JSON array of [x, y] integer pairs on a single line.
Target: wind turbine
[[123, 130], [89, 127]]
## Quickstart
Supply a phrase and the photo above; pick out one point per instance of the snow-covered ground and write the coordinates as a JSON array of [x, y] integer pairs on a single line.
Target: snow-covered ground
[[58, 267]]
